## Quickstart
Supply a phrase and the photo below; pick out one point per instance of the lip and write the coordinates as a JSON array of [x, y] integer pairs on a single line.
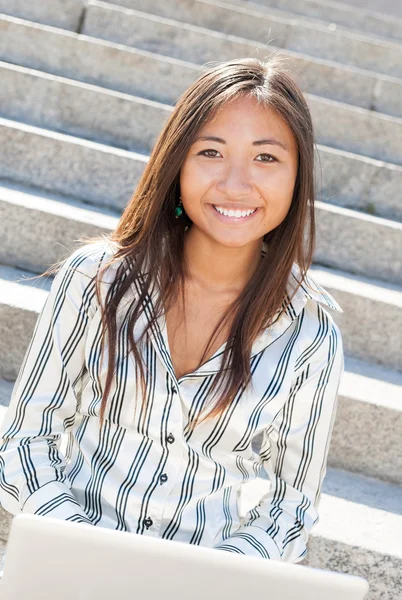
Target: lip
[[226, 219]]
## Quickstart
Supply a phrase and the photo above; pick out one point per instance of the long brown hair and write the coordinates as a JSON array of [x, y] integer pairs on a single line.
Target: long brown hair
[[149, 218]]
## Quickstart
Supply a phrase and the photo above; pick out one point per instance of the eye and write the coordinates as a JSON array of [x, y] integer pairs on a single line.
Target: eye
[[204, 152], [270, 158]]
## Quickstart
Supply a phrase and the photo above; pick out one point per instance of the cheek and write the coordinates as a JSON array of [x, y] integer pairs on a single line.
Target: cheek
[[278, 191], [183, 176], [194, 180], [188, 176], [279, 185], [284, 176]]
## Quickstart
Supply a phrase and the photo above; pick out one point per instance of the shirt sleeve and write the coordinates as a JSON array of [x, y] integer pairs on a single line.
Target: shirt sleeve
[[43, 403], [294, 454]]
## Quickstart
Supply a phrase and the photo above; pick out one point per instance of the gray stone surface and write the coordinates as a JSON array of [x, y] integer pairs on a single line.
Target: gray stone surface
[[388, 7], [355, 181], [359, 15], [348, 48], [51, 224], [6, 388], [135, 71], [172, 37], [366, 435], [60, 104], [93, 61], [331, 15], [5, 524], [165, 36], [347, 84], [354, 534], [375, 17], [223, 17], [382, 571], [372, 315], [362, 489], [374, 135], [346, 238], [58, 13], [67, 165], [20, 304]]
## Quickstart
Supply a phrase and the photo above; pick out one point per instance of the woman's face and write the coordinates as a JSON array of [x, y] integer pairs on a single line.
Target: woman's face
[[244, 158]]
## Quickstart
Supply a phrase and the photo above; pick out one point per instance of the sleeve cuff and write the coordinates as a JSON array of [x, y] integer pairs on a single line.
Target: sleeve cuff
[[54, 499], [252, 541]]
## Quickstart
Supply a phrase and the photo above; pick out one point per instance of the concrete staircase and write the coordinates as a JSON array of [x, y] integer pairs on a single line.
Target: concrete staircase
[[85, 89]]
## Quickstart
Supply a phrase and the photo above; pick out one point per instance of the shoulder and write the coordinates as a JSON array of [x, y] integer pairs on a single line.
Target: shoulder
[[92, 254], [87, 260], [315, 306], [76, 278], [320, 336]]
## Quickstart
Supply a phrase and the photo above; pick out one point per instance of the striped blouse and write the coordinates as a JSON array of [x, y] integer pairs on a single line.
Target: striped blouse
[[146, 472]]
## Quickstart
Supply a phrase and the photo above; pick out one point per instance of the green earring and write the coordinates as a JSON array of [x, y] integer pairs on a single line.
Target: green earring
[[178, 211]]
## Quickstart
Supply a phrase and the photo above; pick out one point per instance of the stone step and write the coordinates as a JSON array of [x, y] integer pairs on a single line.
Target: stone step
[[369, 417], [134, 123], [372, 314], [358, 532], [355, 129], [372, 319], [71, 166], [228, 33], [52, 222], [66, 14], [340, 14], [106, 175], [61, 104], [134, 71], [345, 237]]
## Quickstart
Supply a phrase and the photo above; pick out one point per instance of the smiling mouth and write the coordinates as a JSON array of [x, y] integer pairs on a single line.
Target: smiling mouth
[[233, 218]]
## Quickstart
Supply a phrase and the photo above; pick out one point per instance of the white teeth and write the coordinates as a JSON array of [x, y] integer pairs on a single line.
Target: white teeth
[[233, 213]]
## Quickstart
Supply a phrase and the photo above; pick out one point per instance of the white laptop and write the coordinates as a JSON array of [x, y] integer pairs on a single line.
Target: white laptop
[[51, 558]]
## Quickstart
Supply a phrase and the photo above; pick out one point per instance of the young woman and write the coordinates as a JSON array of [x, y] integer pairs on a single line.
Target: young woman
[[188, 352]]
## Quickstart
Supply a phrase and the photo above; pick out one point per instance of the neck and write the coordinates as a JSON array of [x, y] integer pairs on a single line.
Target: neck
[[219, 269]]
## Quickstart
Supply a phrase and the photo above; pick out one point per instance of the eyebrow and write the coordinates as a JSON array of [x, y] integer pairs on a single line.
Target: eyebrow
[[268, 141]]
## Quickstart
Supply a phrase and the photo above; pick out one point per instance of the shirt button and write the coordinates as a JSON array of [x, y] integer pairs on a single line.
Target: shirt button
[[170, 438], [163, 478], [174, 390], [148, 522]]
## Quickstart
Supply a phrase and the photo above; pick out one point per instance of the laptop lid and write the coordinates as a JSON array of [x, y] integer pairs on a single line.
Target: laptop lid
[[49, 558]]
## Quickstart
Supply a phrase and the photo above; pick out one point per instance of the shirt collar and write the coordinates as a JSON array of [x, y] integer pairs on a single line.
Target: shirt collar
[[309, 288]]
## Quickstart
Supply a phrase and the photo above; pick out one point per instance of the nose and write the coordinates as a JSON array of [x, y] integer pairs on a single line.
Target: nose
[[235, 182]]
